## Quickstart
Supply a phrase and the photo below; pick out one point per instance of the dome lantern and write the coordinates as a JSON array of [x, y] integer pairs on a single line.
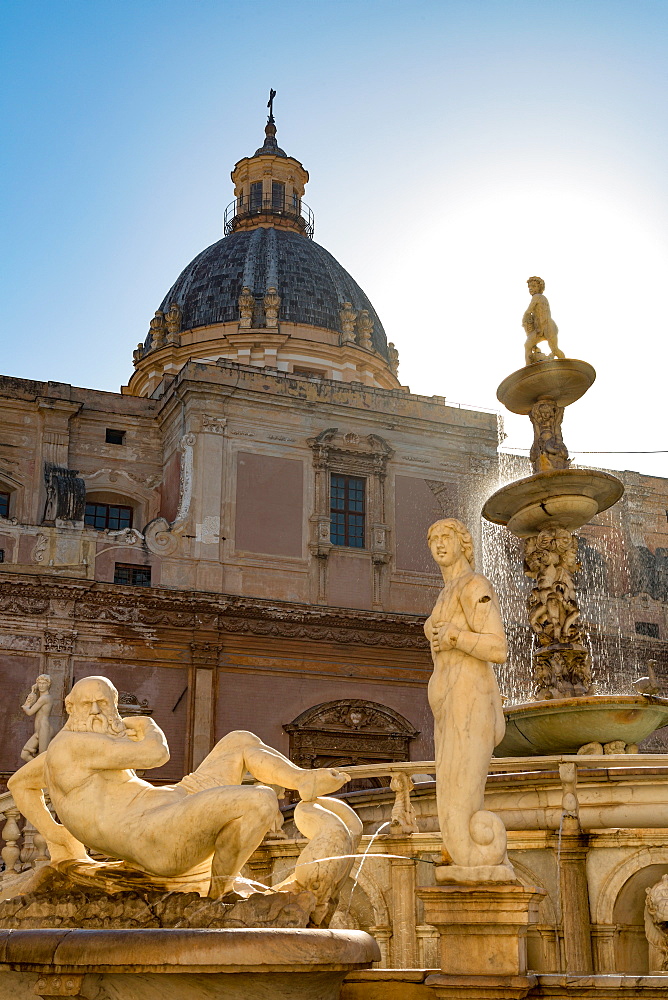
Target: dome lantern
[[269, 188]]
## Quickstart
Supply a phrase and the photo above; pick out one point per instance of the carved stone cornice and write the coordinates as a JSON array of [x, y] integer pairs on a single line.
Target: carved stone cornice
[[215, 612]]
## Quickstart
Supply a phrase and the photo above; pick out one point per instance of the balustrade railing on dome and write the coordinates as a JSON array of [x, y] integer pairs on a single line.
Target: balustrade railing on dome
[[280, 206]]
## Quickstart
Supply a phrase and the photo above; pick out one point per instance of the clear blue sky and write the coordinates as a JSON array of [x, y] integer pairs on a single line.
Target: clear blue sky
[[454, 148]]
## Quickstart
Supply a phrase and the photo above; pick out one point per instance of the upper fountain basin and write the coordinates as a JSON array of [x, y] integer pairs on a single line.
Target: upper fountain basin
[[564, 498], [564, 381]]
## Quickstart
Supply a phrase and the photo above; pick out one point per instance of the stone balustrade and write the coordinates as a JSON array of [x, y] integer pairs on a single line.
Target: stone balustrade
[[22, 846], [403, 817]]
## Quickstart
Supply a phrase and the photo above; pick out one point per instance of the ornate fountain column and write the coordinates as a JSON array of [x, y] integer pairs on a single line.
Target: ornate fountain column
[[547, 507]]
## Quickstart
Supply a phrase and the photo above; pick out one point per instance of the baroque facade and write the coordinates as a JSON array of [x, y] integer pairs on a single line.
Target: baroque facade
[[238, 536], [237, 540]]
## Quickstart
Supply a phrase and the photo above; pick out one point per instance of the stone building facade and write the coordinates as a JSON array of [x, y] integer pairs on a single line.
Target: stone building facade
[[238, 536]]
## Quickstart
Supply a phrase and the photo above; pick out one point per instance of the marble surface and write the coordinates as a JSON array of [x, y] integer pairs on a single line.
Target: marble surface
[[235, 964], [563, 381], [565, 725], [195, 835], [466, 635], [567, 498]]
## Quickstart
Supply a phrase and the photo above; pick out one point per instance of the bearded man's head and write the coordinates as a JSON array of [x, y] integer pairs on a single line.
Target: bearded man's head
[[92, 707]]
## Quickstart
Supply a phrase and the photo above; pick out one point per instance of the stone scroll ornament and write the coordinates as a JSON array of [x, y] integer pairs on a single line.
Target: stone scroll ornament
[[194, 836], [466, 636], [562, 664]]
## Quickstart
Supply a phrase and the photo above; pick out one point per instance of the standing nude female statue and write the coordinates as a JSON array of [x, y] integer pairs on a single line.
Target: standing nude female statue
[[465, 633]]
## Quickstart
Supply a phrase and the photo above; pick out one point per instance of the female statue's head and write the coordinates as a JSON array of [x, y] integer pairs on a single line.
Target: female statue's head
[[450, 526], [42, 683]]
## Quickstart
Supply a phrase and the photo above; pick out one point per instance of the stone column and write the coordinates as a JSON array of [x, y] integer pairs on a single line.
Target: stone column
[[58, 650], [202, 701], [482, 930], [574, 892], [603, 941], [404, 923]]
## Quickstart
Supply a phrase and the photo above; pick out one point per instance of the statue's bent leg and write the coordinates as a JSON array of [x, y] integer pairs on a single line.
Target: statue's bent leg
[[333, 831], [227, 823], [242, 751], [240, 837]]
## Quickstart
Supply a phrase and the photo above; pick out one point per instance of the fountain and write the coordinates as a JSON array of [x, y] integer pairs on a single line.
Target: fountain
[[166, 912], [544, 510]]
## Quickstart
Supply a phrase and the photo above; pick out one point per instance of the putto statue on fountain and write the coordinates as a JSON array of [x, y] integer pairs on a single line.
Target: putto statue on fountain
[[539, 326]]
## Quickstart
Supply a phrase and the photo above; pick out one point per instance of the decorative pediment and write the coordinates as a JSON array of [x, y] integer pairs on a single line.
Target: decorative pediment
[[352, 715], [351, 452]]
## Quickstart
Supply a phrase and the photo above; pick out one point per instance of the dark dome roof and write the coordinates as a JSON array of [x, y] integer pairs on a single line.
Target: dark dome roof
[[312, 284]]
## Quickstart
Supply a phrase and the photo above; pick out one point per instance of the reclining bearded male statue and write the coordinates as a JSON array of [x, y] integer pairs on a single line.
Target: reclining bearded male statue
[[196, 834]]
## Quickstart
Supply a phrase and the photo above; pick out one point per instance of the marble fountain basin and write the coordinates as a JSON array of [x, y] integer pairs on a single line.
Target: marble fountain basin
[[540, 728], [567, 498], [265, 963]]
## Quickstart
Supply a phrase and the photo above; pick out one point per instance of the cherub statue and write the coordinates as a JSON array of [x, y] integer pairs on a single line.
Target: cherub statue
[[38, 706], [539, 326]]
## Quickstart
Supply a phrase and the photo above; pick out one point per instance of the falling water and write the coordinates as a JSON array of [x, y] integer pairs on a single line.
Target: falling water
[[361, 864], [603, 581]]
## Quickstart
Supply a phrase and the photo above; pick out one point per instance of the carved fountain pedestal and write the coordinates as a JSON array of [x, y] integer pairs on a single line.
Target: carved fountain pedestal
[[482, 939], [544, 510]]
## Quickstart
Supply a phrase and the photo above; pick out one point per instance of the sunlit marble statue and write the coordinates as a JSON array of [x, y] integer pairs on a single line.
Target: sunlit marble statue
[[465, 633], [38, 706], [539, 326], [197, 833]]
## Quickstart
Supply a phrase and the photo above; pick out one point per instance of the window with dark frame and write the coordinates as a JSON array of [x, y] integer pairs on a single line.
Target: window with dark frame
[[108, 515], [114, 437], [277, 195], [346, 506], [256, 196], [132, 576], [4, 504], [648, 628]]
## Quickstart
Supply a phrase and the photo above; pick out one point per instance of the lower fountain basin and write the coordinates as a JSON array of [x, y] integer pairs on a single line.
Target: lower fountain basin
[[182, 964], [564, 725]]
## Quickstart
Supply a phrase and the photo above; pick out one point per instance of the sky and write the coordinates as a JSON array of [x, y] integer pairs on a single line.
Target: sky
[[455, 148]]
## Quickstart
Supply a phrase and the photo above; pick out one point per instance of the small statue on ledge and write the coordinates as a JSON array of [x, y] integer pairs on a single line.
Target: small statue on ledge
[[539, 326], [38, 706]]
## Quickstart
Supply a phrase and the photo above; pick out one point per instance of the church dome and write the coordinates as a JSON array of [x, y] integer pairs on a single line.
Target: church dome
[[266, 295], [312, 284]]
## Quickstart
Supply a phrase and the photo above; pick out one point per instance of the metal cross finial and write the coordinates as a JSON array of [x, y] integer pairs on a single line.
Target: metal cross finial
[[270, 105]]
